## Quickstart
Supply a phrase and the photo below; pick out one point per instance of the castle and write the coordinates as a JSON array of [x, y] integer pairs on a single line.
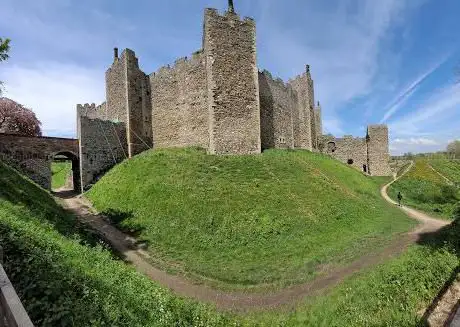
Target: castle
[[218, 100]]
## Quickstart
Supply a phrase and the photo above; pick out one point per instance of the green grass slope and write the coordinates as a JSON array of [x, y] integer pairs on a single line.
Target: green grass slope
[[424, 189], [240, 221], [448, 168], [63, 280], [60, 171]]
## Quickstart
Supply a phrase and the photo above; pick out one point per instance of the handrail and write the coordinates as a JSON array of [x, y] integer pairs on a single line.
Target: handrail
[[12, 312]]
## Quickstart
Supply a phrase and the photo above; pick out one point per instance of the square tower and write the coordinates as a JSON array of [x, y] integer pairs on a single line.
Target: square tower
[[128, 100], [378, 154], [229, 45]]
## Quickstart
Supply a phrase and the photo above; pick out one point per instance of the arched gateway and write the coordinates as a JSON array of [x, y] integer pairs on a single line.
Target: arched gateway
[[33, 156]]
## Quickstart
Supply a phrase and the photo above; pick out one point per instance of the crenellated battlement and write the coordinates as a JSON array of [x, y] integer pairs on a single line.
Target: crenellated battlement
[[85, 110], [195, 59], [226, 16]]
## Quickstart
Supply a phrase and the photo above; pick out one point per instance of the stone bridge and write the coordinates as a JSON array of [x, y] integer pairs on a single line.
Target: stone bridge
[[33, 156]]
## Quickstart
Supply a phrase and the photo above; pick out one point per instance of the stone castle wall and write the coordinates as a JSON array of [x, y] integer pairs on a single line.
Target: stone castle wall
[[139, 129], [229, 45], [102, 144], [318, 125], [349, 150], [278, 103], [179, 104], [378, 150], [303, 133]]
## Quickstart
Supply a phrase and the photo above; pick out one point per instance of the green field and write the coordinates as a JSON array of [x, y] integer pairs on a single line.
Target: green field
[[247, 221], [65, 280], [396, 293], [449, 168], [424, 189], [60, 171]]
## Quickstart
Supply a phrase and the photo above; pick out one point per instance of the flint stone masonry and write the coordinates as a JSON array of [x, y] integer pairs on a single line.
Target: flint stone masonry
[[102, 145], [349, 150], [303, 117], [278, 104], [232, 82], [179, 104], [33, 156], [378, 150], [369, 154], [215, 99]]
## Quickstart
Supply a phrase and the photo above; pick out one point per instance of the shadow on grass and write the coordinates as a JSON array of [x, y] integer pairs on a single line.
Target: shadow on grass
[[447, 237], [120, 219], [24, 194]]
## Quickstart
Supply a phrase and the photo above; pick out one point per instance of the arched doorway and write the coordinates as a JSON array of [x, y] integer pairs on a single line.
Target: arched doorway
[[65, 172]]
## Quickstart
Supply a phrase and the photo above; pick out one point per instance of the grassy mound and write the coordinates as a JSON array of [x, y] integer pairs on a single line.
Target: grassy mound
[[60, 171], [63, 281], [423, 188], [277, 218]]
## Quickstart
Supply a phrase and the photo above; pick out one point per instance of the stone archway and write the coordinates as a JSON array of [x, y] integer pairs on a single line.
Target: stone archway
[[73, 158]]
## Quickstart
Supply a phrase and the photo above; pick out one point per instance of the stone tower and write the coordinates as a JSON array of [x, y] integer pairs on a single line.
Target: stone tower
[[318, 123], [304, 122], [229, 45], [378, 150], [128, 100]]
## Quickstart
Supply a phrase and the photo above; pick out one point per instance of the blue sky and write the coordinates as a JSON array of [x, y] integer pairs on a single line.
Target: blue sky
[[385, 61]]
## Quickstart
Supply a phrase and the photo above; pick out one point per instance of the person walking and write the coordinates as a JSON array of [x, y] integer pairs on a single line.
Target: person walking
[[399, 198]]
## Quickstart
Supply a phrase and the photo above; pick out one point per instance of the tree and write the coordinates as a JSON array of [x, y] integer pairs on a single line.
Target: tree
[[453, 149], [17, 119], [4, 48]]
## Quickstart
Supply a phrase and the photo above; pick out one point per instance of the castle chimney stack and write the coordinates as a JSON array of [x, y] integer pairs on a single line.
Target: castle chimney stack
[[115, 54], [231, 7]]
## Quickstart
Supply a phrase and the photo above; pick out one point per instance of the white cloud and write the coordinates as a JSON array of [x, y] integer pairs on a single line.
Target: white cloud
[[52, 91], [416, 141], [401, 99]]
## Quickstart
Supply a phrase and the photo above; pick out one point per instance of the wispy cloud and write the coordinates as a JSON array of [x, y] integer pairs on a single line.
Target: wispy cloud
[[441, 109], [416, 141], [407, 92]]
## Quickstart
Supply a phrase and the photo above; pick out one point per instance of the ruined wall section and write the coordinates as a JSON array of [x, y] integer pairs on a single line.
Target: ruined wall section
[[303, 115], [277, 103], [318, 125], [179, 104], [378, 150], [102, 144], [349, 150], [232, 83], [116, 93], [138, 104], [311, 108]]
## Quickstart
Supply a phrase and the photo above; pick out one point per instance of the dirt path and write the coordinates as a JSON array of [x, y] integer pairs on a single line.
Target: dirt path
[[240, 301]]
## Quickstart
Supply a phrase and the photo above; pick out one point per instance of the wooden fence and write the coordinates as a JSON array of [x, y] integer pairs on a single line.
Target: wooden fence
[[12, 312]]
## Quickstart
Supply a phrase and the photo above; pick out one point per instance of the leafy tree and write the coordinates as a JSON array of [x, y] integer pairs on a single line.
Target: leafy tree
[[17, 119], [4, 48], [453, 148]]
